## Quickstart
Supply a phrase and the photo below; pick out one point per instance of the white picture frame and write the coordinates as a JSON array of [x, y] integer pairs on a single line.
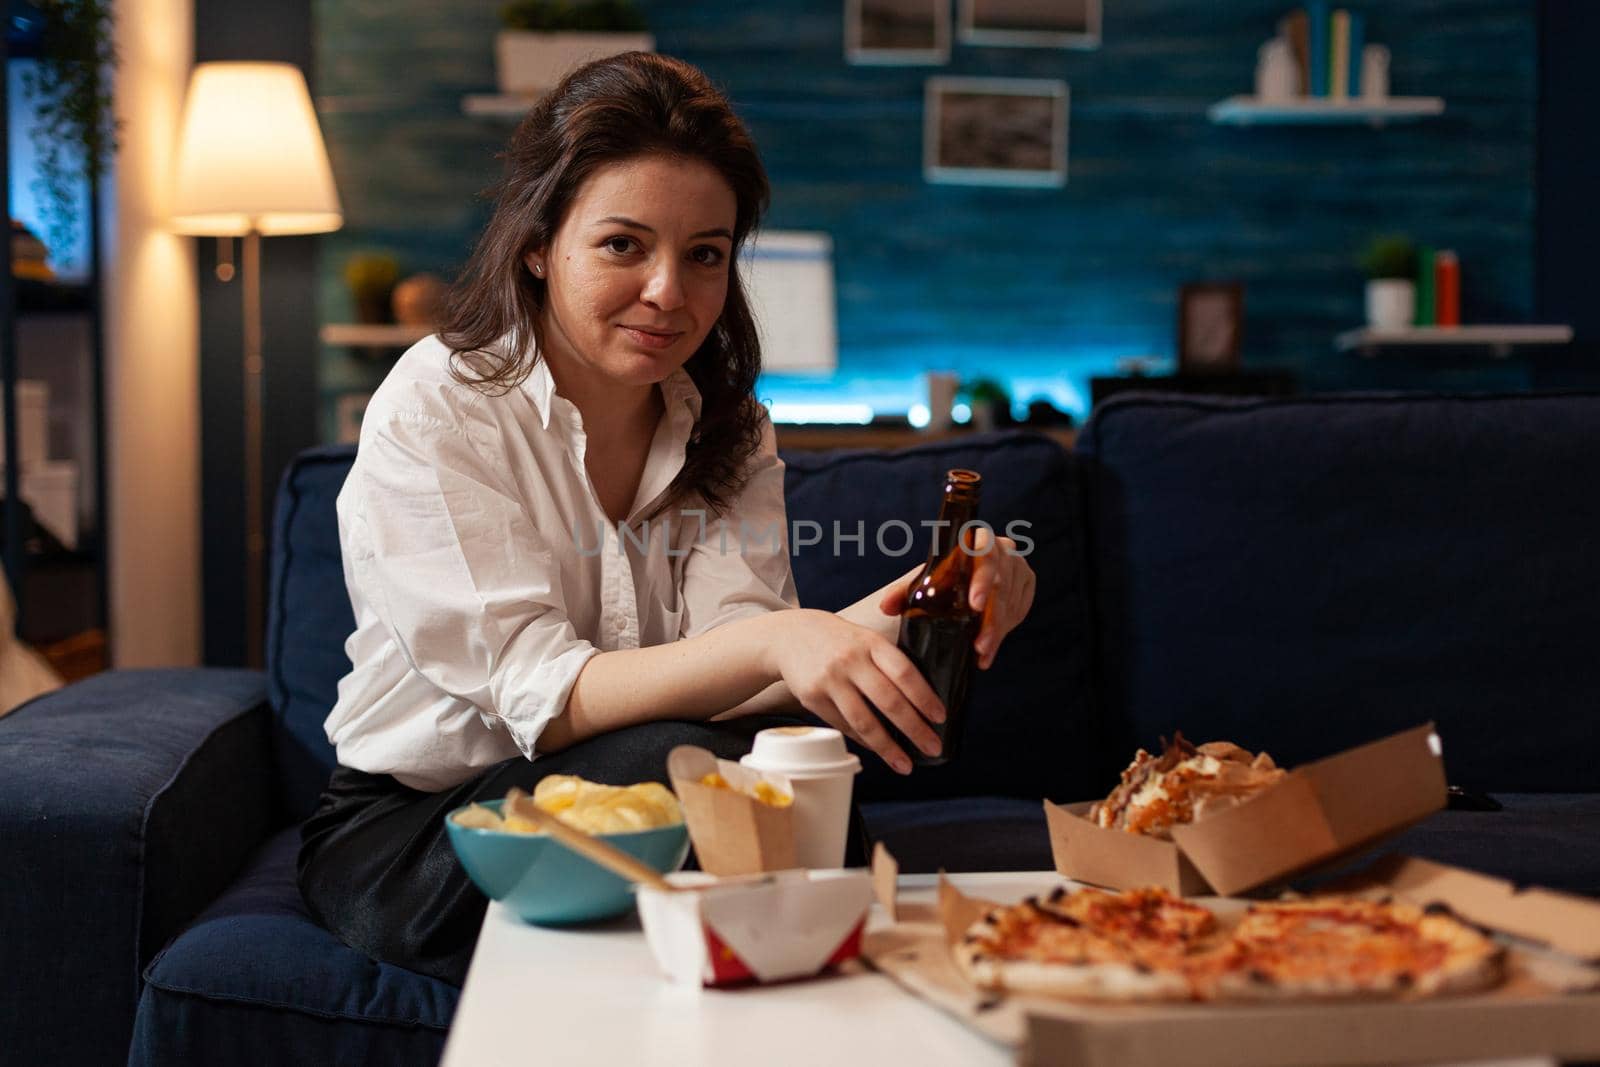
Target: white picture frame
[[897, 32], [996, 131], [1029, 23], [789, 284]]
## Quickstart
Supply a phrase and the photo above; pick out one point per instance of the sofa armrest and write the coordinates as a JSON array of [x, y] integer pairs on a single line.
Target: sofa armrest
[[127, 802]]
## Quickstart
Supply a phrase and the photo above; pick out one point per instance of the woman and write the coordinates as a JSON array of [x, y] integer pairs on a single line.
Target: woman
[[595, 374]]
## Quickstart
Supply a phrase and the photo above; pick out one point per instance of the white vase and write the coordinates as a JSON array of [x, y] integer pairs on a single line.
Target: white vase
[[1277, 73], [1374, 73], [941, 386], [1391, 303], [528, 64]]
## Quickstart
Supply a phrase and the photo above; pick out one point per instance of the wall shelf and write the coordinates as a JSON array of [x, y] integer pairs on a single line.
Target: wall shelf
[[1320, 111], [1500, 340], [496, 106], [383, 335]]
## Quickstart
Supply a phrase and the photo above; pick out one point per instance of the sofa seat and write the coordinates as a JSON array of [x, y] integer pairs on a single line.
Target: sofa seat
[[1544, 839], [969, 834], [255, 976]]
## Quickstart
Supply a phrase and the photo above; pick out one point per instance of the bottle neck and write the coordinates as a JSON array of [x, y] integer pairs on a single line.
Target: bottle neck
[[958, 510]]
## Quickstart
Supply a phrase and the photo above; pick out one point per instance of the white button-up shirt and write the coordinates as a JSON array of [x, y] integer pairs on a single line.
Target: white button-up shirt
[[484, 573]]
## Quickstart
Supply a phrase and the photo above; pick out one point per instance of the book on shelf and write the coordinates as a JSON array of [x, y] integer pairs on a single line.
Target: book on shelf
[[1425, 291], [1339, 55], [1446, 288], [1318, 19], [1294, 28], [1356, 25], [1327, 45]]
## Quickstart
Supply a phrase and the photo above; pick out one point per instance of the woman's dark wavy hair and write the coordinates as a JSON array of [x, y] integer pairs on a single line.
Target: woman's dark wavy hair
[[618, 108]]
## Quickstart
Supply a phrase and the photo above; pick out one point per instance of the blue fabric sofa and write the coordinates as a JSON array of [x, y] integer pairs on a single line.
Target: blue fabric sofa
[[1295, 575]]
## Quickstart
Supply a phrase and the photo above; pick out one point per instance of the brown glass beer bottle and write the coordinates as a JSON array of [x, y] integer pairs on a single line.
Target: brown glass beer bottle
[[938, 626]]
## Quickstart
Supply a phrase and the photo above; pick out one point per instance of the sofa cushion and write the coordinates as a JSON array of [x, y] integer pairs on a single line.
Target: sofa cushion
[[961, 834], [309, 617], [255, 976], [1029, 720], [127, 802], [1544, 839], [1305, 575]]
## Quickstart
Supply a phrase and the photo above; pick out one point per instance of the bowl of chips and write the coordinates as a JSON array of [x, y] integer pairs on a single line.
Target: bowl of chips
[[546, 883]]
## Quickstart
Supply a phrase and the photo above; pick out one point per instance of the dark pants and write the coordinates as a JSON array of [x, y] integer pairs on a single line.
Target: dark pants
[[377, 869]]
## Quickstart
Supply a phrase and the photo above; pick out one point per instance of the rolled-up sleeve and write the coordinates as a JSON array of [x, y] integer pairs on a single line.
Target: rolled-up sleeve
[[740, 567], [454, 568]]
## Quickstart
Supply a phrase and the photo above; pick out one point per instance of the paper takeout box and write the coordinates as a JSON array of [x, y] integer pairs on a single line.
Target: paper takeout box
[[1549, 1004], [733, 833], [755, 928], [1319, 812]]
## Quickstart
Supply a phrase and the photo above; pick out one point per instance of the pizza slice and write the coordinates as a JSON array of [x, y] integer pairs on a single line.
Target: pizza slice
[[1089, 944], [1345, 947]]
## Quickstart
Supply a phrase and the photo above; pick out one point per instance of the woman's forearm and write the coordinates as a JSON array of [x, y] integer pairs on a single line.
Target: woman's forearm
[[776, 698], [865, 612], [685, 679]]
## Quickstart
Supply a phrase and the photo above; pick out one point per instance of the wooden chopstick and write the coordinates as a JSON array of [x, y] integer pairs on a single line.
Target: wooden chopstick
[[605, 854]]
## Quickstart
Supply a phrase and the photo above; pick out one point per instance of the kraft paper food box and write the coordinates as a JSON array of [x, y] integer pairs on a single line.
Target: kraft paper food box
[[749, 915], [733, 833], [1319, 812]]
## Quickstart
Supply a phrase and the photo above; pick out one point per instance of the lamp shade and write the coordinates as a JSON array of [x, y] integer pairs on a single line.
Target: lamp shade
[[250, 155]]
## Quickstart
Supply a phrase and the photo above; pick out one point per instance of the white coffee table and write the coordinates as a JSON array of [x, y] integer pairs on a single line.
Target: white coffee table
[[593, 995]]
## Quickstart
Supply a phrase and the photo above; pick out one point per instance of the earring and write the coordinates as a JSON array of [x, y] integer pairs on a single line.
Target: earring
[[538, 270]]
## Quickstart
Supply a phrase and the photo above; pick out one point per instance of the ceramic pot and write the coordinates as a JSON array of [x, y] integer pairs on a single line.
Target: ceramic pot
[[1391, 303], [529, 63]]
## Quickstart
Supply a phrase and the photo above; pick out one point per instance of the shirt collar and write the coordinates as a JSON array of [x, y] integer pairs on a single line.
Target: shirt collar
[[540, 388], [678, 392]]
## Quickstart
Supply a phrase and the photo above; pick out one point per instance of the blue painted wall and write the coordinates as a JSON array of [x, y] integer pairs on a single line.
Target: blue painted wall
[[1043, 287]]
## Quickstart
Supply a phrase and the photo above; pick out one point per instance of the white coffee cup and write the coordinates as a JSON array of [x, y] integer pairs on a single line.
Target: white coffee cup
[[823, 773]]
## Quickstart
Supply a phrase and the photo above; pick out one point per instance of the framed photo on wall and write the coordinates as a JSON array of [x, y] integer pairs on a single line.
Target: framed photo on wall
[[995, 131], [897, 32], [1030, 23], [1210, 327]]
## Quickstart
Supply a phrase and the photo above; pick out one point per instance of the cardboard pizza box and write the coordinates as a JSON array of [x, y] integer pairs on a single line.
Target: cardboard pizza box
[[1319, 813], [733, 833], [1548, 1006]]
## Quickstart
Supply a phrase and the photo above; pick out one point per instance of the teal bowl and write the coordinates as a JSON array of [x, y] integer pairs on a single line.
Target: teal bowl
[[547, 883]]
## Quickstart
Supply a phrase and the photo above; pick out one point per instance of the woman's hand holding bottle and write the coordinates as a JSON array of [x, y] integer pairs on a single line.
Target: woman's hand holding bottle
[[840, 671]]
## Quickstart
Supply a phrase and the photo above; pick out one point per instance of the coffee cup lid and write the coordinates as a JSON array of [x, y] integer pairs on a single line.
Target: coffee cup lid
[[800, 751]]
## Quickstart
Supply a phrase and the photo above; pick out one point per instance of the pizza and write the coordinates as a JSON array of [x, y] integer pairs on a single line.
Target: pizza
[[1183, 784], [1150, 945], [1089, 944], [1343, 947]]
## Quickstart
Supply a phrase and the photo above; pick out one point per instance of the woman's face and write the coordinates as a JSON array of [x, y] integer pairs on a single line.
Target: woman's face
[[637, 272]]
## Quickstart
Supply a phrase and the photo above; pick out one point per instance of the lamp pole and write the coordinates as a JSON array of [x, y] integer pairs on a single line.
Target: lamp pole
[[254, 536]]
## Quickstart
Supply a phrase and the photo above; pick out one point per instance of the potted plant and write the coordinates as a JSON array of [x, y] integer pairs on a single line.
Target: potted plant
[[1391, 266], [371, 277], [544, 39], [75, 129], [990, 404]]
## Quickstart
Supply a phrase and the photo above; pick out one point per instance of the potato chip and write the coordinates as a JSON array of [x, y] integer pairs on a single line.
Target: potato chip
[[478, 817], [601, 809]]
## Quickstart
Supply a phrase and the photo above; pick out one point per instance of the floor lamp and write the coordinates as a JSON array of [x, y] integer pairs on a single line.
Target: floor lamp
[[251, 164]]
